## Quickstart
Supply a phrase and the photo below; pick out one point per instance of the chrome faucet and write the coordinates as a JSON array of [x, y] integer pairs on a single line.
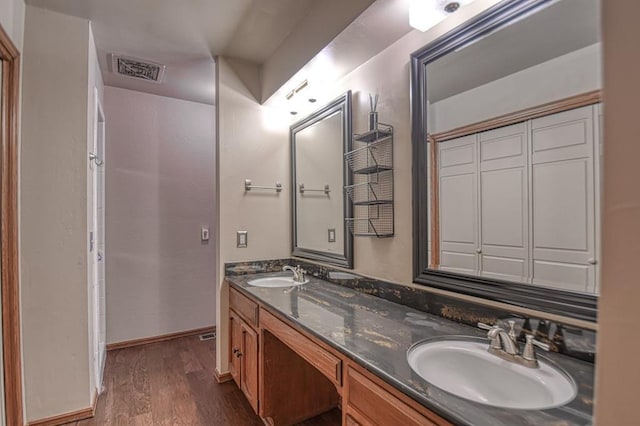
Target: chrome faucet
[[298, 273], [505, 345]]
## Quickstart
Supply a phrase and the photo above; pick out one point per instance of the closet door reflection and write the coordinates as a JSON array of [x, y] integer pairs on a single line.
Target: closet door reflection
[[520, 202]]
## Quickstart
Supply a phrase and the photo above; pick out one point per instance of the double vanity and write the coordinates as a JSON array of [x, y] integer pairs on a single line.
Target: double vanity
[[506, 155], [300, 349]]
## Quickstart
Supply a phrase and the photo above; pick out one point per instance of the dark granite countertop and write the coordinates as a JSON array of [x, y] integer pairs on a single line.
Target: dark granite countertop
[[376, 334]]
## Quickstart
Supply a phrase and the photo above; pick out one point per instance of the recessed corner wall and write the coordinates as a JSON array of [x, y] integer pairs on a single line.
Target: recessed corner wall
[[160, 191], [53, 215], [253, 143]]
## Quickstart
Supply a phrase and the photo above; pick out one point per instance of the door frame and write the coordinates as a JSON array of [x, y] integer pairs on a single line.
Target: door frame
[[11, 342]]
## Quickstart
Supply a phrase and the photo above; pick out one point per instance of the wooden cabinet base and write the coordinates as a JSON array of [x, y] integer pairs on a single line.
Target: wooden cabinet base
[[291, 390], [289, 375]]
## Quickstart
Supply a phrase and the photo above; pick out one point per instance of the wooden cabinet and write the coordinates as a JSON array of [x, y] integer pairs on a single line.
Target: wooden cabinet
[[289, 376], [249, 365], [235, 341], [244, 345], [369, 403]]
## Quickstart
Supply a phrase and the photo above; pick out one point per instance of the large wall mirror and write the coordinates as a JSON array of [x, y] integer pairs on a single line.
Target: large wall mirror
[[507, 155], [318, 144]]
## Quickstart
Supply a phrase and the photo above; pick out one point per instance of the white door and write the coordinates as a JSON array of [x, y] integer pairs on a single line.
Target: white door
[[504, 211], [458, 195], [96, 244], [563, 198]]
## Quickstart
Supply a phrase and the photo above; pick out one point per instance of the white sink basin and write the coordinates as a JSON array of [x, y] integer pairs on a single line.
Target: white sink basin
[[463, 367], [275, 282]]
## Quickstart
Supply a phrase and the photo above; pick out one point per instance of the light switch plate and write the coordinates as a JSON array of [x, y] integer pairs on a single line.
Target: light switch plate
[[242, 239], [332, 235], [204, 234]]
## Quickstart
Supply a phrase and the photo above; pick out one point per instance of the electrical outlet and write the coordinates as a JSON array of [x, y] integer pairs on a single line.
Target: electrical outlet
[[242, 239], [332, 235]]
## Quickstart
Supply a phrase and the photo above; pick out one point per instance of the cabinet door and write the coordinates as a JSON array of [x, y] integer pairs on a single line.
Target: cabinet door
[[458, 201], [563, 189], [378, 407], [504, 203], [235, 340], [249, 365]]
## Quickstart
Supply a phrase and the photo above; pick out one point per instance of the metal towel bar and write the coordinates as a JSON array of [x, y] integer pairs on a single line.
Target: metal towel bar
[[248, 186], [326, 189]]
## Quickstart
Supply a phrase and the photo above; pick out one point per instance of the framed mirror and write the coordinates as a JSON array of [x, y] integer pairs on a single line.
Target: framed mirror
[[507, 153], [319, 174]]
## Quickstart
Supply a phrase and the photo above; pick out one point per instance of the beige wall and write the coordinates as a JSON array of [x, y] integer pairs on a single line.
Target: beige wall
[[618, 371], [53, 214], [253, 143], [159, 193]]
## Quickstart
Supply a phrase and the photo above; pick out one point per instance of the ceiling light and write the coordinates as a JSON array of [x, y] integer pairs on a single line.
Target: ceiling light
[[424, 14]]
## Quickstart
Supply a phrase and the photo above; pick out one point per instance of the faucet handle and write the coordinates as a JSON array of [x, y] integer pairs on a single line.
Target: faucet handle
[[484, 326], [495, 338], [512, 331], [529, 353]]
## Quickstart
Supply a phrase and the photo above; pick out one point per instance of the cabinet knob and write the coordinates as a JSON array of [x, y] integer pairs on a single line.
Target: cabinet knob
[[235, 350], [238, 354], [479, 250], [592, 261]]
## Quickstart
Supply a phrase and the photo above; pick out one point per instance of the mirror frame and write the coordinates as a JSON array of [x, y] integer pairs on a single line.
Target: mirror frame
[[341, 104], [561, 302]]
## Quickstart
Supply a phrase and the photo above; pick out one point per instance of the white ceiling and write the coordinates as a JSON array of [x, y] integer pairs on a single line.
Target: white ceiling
[[563, 27], [186, 36]]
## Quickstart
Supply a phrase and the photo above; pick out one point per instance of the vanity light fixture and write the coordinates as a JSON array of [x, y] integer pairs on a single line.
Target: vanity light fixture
[[425, 14], [295, 91]]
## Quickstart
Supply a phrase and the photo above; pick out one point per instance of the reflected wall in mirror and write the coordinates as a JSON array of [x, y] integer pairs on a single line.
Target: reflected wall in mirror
[[509, 176], [318, 144]]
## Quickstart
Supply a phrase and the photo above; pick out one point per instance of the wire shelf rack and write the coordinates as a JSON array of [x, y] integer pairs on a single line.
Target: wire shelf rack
[[372, 221], [372, 191], [371, 157]]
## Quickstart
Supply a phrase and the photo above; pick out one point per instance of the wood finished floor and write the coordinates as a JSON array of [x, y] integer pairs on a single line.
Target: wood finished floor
[[172, 383]]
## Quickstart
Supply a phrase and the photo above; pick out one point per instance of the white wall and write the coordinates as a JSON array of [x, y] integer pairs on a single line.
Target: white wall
[[568, 75], [252, 143], [160, 166], [53, 214], [12, 20]]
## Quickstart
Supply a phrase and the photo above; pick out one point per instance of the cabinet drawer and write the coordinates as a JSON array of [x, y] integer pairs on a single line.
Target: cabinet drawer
[[245, 307], [323, 361], [379, 406]]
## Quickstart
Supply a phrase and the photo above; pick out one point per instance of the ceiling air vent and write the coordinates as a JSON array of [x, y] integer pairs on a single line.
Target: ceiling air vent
[[137, 68]]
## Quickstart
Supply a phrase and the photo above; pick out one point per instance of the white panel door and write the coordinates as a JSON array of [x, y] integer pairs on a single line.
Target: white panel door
[[563, 199], [458, 195], [504, 211]]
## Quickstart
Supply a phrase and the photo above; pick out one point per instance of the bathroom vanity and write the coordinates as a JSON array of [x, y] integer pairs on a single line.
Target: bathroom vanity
[[297, 352]]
